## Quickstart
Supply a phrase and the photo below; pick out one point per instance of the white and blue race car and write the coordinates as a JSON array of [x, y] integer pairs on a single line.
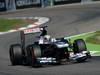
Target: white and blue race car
[[47, 50]]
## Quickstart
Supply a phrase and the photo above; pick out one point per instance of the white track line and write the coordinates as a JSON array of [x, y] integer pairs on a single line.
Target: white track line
[[80, 34]]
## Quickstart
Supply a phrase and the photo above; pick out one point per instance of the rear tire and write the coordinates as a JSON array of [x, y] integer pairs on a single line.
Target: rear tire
[[16, 56], [33, 52], [79, 46]]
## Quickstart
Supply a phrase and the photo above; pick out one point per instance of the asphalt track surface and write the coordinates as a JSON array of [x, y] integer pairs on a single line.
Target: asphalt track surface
[[65, 21]]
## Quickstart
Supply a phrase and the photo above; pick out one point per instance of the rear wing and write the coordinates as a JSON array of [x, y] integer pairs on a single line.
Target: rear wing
[[23, 38], [28, 31], [33, 30]]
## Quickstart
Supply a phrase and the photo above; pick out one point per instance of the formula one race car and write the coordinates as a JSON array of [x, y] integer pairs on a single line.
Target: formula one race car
[[47, 50]]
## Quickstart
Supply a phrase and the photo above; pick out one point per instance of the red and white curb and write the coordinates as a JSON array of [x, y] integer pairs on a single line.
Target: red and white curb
[[29, 28]]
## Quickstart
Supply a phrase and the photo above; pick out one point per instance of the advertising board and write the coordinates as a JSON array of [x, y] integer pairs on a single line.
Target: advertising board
[[22, 3], [2, 5], [60, 0]]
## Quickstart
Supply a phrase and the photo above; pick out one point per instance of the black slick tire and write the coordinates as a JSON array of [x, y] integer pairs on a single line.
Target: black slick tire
[[79, 46], [16, 56], [33, 52]]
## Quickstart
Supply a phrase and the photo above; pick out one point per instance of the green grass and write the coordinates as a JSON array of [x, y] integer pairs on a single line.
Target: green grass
[[84, 36], [7, 24], [94, 39], [92, 45]]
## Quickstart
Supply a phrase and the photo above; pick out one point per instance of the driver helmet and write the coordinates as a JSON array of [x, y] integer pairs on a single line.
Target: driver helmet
[[48, 37]]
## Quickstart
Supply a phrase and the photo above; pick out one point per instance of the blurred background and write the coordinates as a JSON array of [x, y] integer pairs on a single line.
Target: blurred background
[[11, 5]]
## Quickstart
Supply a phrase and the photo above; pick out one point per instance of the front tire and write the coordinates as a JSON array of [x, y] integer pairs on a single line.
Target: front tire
[[79, 46], [16, 56]]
